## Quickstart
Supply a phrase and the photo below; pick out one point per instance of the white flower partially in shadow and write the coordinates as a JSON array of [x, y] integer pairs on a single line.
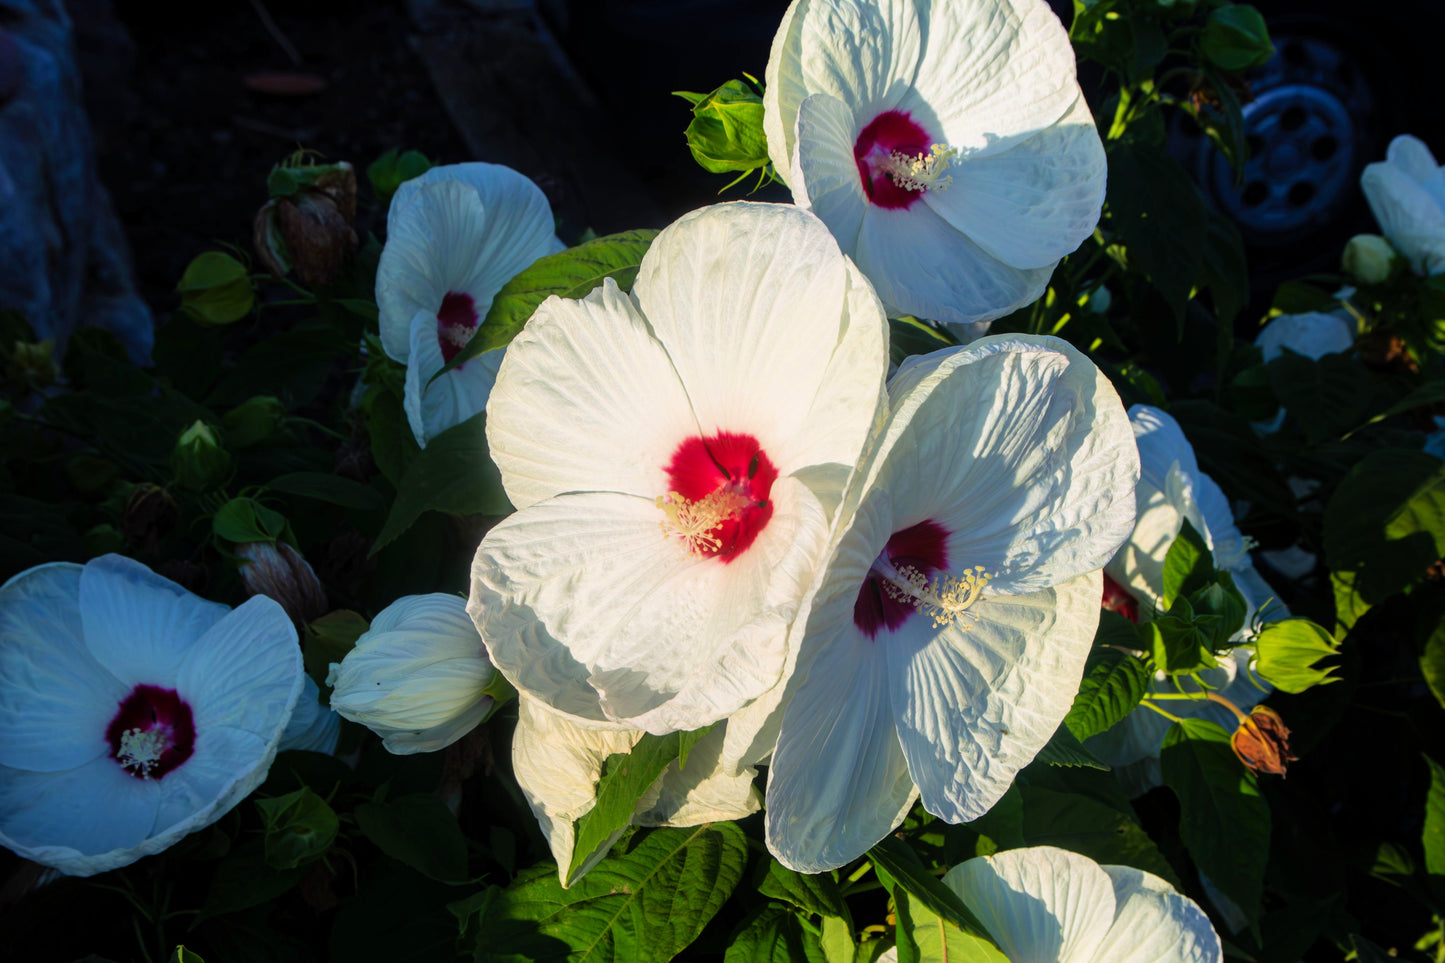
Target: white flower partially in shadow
[[134, 712], [946, 145], [454, 236]]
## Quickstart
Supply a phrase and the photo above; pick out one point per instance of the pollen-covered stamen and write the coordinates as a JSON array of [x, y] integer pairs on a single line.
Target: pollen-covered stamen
[[152, 733], [920, 172], [141, 749], [943, 597], [457, 321], [719, 495], [695, 524]]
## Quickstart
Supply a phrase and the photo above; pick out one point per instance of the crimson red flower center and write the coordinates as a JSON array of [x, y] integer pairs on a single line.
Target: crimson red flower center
[[1118, 599], [152, 732], [922, 548], [456, 323], [891, 132], [720, 495]]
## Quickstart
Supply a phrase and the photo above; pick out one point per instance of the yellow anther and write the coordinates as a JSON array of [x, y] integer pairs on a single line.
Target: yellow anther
[[141, 749], [921, 172], [692, 522], [944, 597]]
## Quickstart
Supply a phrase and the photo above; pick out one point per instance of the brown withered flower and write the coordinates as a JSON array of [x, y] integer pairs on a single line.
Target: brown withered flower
[[278, 571], [149, 513], [1262, 741], [310, 230]]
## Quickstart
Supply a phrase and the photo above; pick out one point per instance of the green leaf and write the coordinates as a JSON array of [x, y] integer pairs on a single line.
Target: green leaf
[[726, 132], [901, 873], [1235, 38], [183, 955], [1330, 397], [1286, 653], [328, 488], [569, 274], [300, 826], [1188, 566], [644, 905], [1065, 749], [388, 172], [1385, 524], [1224, 821], [329, 638], [910, 336], [393, 446], [1432, 837], [1224, 270], [686, 740], [215, 289], [815, 894], [1085, 825], [1229, 451], [1003, 824], [772, 935], [625, 777], [454, 473], [1155, 210], [1432, 661], [360, 308], [1112, 686], [420, 831], [243, 879], [243, 520]]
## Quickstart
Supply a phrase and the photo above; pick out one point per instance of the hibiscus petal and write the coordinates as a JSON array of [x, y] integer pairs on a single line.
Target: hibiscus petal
[[82, 821], [587, 400], [1019, 447], [1412, 157], [976, 700], [244, 671], [1038, 903], [227, 764], [585, 604], [705, 790], [921, 266], [58, 699], [1409, 215], [138, 625], [1155, 924], [435, 404], [557, 763], [993, 72], [838, 781], [519, 218], [740, 296], [1035, 202], [417, 677], [828, 181], [865, 54]]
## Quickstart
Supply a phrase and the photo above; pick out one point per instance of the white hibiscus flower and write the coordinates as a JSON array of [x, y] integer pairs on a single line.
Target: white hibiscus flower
[[1313, 334], [1048, 905], [947, 146], [134, 712], [1406, 192], [946, 637], [454, 236], [418, 677], [1172, 489], [558, 763], [674, 455]]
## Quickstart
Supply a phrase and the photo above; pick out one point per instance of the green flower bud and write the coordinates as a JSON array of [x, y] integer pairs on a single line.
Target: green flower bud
[[390, 171], [726, 133], [1368, 258], [216, 289], [198, 461], [253, 421], [1235, 38]]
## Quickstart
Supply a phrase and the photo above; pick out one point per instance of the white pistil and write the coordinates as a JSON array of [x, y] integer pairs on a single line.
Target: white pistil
[[943, 597], [921, 172], [141, 750], [693, 521]]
